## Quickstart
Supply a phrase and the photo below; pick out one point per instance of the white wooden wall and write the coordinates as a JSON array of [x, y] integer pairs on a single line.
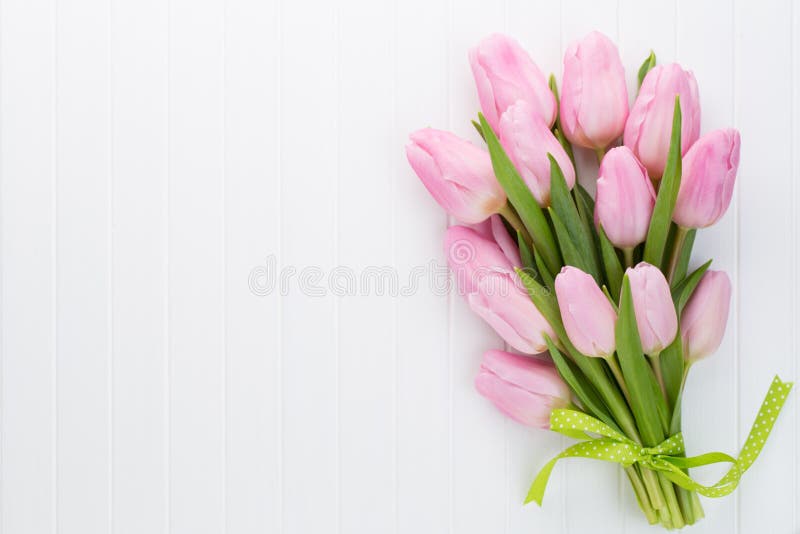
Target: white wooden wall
[[155, 154]]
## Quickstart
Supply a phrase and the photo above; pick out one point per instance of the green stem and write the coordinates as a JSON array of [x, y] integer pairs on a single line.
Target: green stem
[[641, 495], [685, 500], [513, 219], [697, 508], [628, 253], [617, 372], [600, 153], [675, 253], [656, 365], [672, 501], [653, 489]]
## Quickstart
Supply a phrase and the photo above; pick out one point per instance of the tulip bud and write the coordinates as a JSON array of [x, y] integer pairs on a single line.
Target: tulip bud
[[594, 95], [494, 229], [527, 140], [500, 301], [588, 316], [471, 256], [486, 277], [709, 173], [625, 198], [704, 318], [649, 125], [656, 318], [504, 73], [457, 174], [525, 389]]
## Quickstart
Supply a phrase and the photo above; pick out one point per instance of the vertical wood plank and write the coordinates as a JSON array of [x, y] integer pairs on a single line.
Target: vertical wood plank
[[27, 230], [765, 306], [83, 273], [795, 54], [366, 241], [423, 468], [196, 271], [310, 144], [252, 234], [139, 179], [477, 439], [709, 423]]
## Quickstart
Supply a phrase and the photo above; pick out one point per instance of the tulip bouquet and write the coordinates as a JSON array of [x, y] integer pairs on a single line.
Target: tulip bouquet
[[600, 284]]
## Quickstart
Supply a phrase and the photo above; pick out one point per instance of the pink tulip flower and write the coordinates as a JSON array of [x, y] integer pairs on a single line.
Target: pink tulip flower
[[505, 73], [486, 277], [649, 125], [705, 316], [500, 300], [493, 228], [625, 198], [594, 95], [472, 256], [709, 173], [525, 389], [588, 316], [457, 174], [656, 318], [527, 141]]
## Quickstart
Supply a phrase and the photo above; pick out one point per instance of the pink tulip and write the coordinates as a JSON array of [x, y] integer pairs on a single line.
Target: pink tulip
[[588, 316], [649, 125], [528, 140], [486, 276], [625, 198], [500, 301], [471, 256], [525, 389], [594, 95], [494, 229], [709, 173], [704, 318], [504, 73], [457, 174], [656, 318]]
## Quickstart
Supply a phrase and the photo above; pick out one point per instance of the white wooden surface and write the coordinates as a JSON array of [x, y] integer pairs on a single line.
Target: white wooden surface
[[155, 156]]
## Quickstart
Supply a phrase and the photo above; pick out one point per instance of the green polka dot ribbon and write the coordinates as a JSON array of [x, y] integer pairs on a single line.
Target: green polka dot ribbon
[[668, 457]]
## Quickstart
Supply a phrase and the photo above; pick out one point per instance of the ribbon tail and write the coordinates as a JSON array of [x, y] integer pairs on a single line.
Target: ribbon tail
[[536, 491], [699, 460], [760, 431]]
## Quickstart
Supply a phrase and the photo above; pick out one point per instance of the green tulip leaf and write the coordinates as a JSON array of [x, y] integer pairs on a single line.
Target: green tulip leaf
[[682, 266], [671, 362], [565, 144], [581, 191], [525, 252], [564, 209], [522, 199], [647, 65], [578, 383], [547, 276], [613, 266], [684, 290], [645, 393], [569, 251], [586, 213], [667, 194], [477, 126]]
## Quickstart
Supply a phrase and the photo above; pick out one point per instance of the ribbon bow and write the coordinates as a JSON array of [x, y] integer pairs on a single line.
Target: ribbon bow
[[666, 457]]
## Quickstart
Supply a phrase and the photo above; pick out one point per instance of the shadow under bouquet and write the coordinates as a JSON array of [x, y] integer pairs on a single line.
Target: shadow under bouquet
[[601, 284]]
